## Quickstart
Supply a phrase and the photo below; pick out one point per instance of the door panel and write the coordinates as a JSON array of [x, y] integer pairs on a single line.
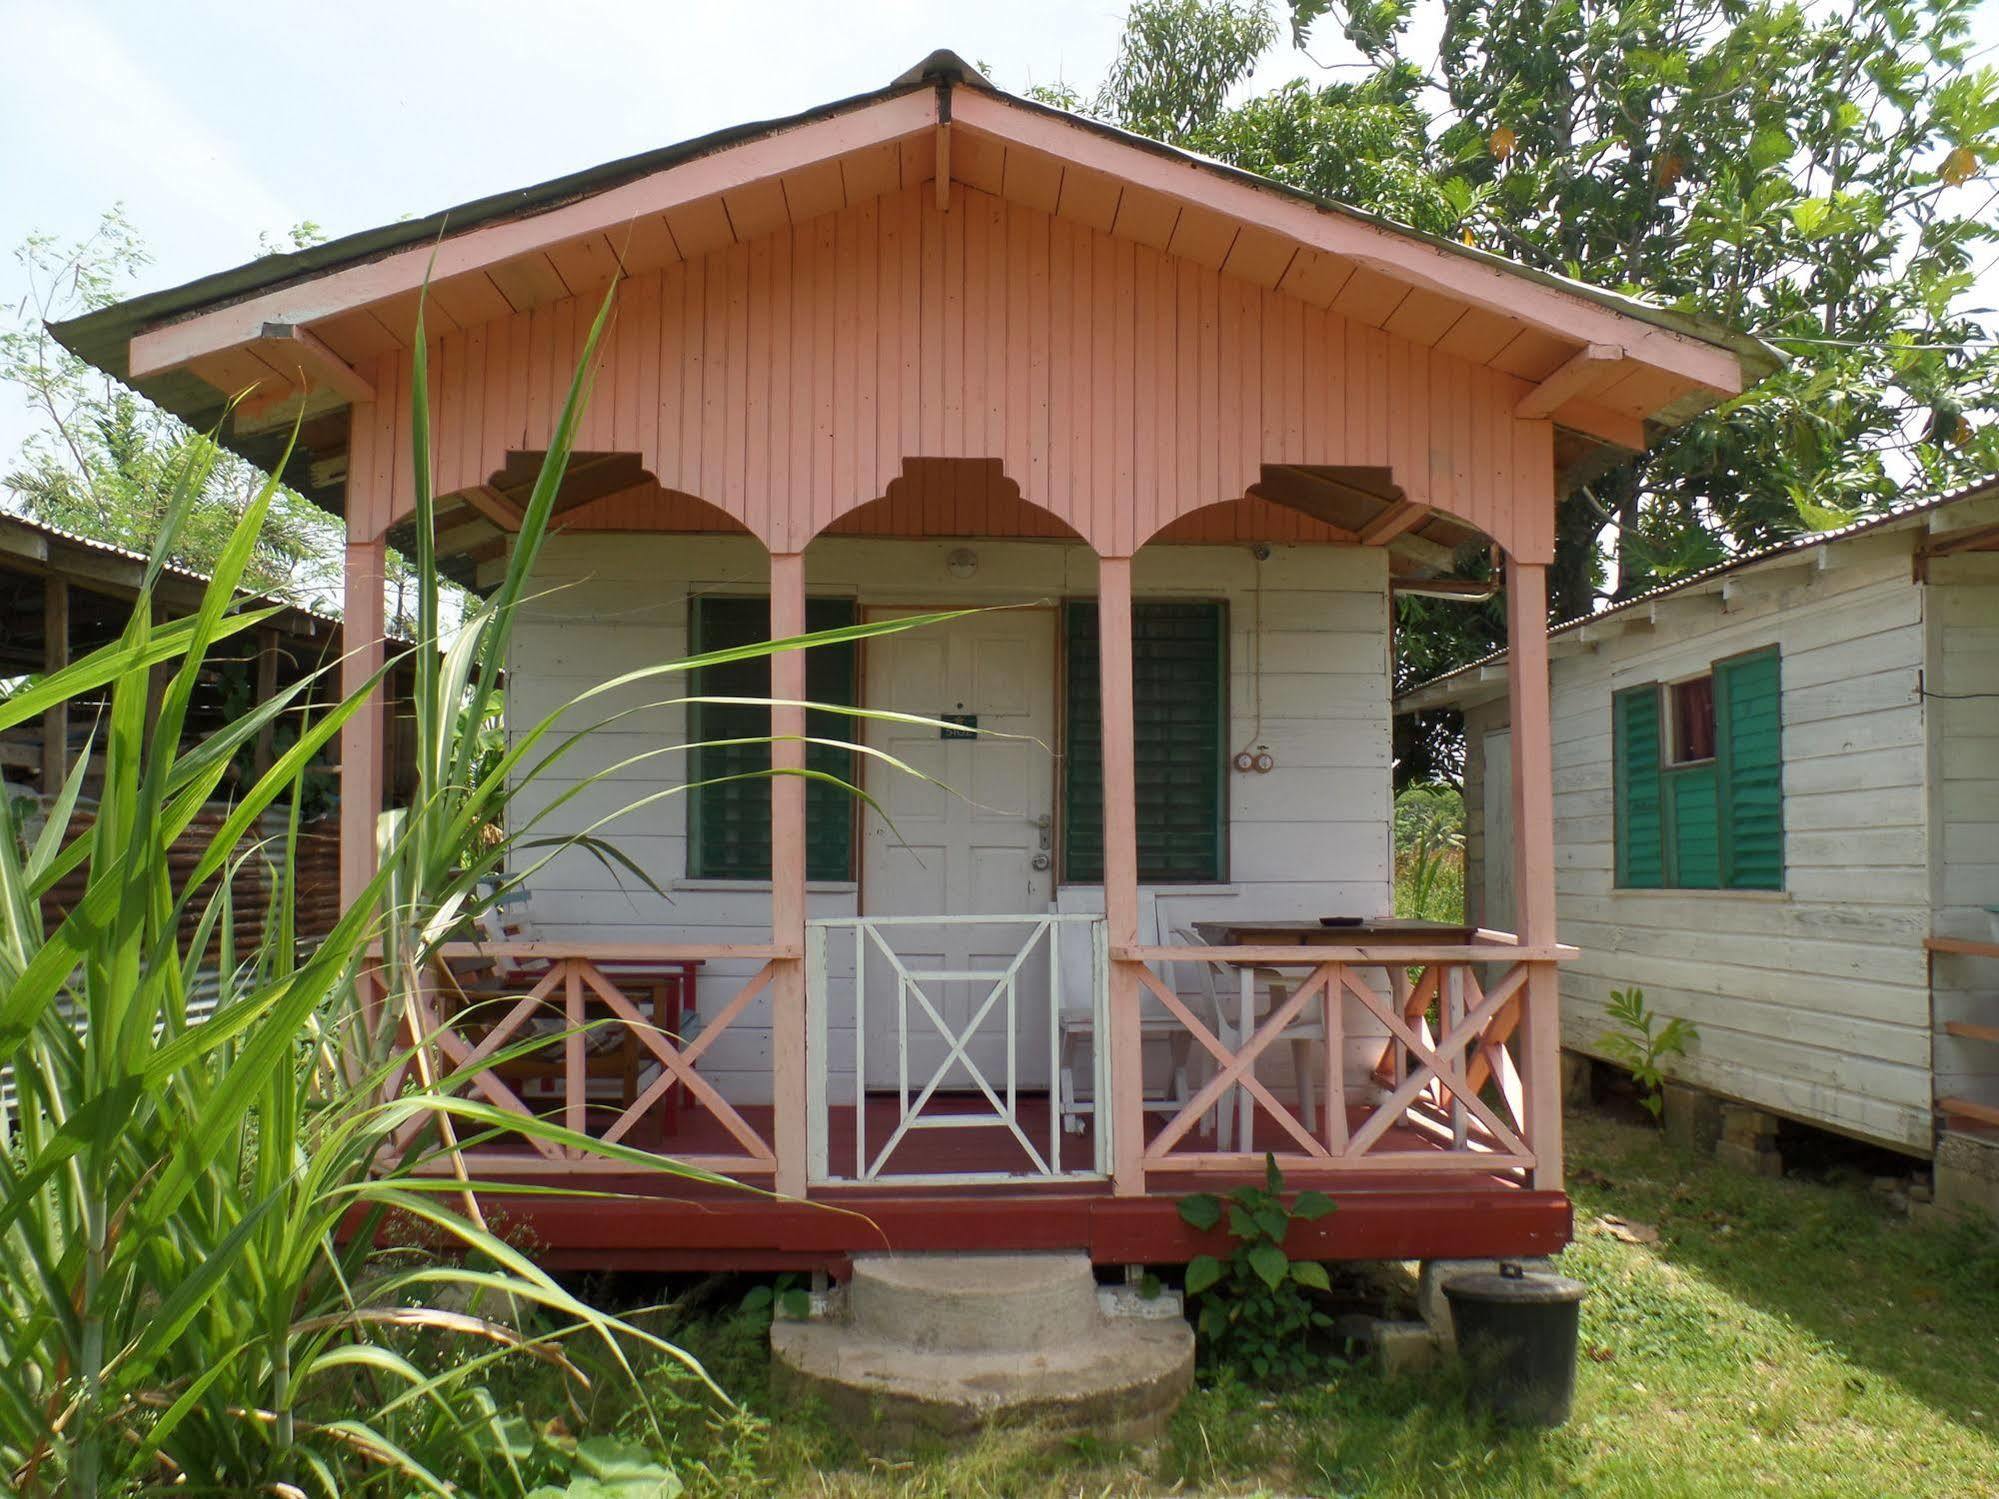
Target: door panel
[[966, 847]]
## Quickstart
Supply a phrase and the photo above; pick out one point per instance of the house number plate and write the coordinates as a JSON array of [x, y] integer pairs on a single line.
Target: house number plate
[[967, 726]]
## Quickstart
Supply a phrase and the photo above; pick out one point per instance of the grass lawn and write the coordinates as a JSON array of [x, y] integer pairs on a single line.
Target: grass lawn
[[1778, 1338]]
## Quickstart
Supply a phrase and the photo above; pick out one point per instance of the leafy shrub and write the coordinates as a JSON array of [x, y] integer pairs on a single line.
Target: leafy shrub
[[1256, 1314], [1635, 1043]]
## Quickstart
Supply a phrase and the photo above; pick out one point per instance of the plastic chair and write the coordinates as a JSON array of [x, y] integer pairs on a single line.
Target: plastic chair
[[1232, 1027]]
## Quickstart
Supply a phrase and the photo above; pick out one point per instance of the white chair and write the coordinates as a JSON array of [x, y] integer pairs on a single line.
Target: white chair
[[1234, 1018], [1078, 1019]]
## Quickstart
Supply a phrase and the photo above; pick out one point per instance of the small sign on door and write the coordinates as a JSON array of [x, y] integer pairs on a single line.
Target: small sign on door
[[967, 726]]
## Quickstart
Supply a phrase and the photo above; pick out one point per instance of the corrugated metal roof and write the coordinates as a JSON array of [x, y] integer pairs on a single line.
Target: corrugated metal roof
[[1804, 542], [113, 549]]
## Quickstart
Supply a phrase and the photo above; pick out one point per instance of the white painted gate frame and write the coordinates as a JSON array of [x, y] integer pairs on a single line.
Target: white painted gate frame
[[868, 934]]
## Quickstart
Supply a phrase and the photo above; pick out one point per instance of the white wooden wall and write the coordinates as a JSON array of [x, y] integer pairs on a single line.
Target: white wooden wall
[[1813, 1001], [1964, 793], [1309, 838]]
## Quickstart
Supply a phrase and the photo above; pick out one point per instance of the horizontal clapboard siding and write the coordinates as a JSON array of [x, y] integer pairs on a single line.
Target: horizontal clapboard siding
[[1964, 760], [1812, 1000], [1307, 658]]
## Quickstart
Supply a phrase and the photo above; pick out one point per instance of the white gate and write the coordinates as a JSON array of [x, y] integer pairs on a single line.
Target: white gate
[[985, 1023]]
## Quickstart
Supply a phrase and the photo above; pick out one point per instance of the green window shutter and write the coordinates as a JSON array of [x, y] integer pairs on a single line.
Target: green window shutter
[[1693, 828], [1179, 708], [729, 823], [1641, 840], [1749, 735]]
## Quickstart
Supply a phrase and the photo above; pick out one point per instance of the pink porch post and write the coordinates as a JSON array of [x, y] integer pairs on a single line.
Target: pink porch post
[[787, 877], [361, 736], [1534, 860], [1127, 1056]]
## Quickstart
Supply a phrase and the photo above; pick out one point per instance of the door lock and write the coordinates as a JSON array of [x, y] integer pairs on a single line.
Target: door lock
[[1045, 825], [1041, 861]]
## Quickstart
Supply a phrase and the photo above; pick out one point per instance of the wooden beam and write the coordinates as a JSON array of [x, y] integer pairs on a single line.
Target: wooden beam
[[361, 735], [943, 179], [1587, 371], [1117, 738], [495, 506], [1392, 522], [170, 346], [55, 655], [789, 1127], [289, 348], [1618, 428]]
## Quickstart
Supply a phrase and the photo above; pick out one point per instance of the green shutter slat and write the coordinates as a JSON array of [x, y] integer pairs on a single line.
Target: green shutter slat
[[1694, 827], [1179, 668], [1641, 845], [1750, 754], [729, 831]]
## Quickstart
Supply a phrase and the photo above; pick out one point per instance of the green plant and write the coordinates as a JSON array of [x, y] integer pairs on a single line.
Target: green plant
[[1638, 1045], [1430, 852], [787, 1296], [1256, 1314]]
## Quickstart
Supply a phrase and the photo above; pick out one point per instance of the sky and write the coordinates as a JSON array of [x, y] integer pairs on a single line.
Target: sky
[[212, 123]]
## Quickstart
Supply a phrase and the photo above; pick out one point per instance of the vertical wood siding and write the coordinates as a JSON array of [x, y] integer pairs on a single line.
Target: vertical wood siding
[[786, 379]]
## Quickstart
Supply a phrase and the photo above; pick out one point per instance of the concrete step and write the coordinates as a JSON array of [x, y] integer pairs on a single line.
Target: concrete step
[[973, 1303], [945, 1345]]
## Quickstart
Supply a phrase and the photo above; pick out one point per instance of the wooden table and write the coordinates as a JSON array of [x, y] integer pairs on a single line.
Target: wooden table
[[1377, 931]]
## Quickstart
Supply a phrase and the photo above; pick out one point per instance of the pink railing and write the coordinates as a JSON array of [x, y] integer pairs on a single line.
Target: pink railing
[[1447, 1093]]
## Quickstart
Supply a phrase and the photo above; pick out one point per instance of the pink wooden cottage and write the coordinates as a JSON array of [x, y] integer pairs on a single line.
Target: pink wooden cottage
[[933, 346]]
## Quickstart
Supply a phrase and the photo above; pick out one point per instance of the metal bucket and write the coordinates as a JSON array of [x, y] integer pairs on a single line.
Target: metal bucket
[[1517, 1334]]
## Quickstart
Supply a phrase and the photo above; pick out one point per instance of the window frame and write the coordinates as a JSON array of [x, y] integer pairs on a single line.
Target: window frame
[[1223, 840], [692, 872]]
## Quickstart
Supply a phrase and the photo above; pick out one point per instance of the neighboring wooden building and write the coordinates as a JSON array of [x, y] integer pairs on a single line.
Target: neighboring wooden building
[[939, 345], [1777, 813]]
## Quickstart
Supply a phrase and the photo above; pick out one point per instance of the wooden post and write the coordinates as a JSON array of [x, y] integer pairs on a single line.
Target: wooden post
[[1534, 859], [267, 688], [55, 656], [1126, 1048], [787, 879], [361, 735]]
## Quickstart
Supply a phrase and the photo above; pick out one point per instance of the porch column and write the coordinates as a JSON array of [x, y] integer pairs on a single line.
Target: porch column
[[1127, 1057], [361, 735], [1534, 859], [55, 656], [787, 876]]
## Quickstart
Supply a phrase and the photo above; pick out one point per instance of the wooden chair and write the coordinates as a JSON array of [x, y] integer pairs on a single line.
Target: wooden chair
[[1219, 993], [1077, 1022]]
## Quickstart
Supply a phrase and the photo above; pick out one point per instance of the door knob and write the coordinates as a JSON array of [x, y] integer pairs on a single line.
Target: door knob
[[1041, 861]]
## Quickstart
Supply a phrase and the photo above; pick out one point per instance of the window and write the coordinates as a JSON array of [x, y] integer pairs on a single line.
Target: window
[[1699, 774], [1692, 705], [729, 822], [1180, 710]]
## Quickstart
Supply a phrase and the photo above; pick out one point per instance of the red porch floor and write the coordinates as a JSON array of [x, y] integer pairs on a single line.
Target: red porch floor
[[657, 1222]]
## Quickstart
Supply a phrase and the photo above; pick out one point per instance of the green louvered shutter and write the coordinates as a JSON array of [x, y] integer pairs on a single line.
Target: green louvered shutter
[[1641, 843], [1749, 737], [729, 823], [1179, 668], [1693, 828]]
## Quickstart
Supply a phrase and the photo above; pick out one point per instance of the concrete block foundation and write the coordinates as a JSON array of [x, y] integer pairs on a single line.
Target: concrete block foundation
[[1967, 1175]]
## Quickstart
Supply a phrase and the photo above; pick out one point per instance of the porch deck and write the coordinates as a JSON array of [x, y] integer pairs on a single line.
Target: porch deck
[[660, 1222]]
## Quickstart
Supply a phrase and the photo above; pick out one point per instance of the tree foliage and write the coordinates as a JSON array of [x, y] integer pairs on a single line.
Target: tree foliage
[[1819, 176], [100, 459]]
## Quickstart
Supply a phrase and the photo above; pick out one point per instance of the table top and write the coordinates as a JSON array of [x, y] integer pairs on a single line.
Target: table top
[[1375, 931]]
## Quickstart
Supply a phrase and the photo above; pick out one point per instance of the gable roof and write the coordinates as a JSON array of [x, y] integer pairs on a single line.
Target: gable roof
[[1611, 368], [1452, 688]]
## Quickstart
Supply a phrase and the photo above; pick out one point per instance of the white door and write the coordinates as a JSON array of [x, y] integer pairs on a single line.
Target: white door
[[1497, 911], [977, 844]]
